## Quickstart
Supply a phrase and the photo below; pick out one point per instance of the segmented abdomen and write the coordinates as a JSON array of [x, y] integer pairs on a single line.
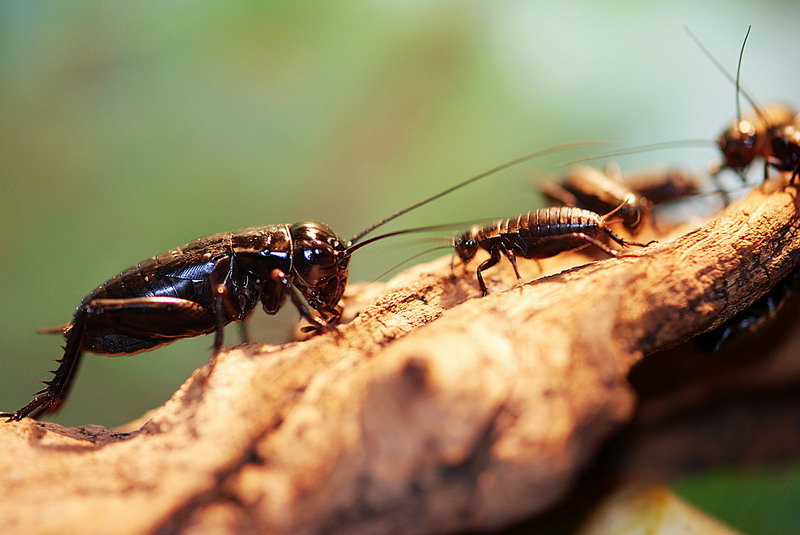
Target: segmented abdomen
[[544, 222]]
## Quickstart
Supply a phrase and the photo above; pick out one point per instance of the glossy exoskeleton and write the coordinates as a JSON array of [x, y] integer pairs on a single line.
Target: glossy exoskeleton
[[539, 234], [198, 289], [753, 136], [213, 281]]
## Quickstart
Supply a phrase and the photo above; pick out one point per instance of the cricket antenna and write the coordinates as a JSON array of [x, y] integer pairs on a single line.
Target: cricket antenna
[[411, 258], [527, 157], [682, 143], [738, 76], [724, 71], [431, 228]]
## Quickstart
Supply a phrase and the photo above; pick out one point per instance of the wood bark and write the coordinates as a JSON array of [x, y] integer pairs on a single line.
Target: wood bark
[[433, 410]]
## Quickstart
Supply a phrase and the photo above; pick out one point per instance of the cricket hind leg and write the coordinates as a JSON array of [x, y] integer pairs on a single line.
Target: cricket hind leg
[[115, 326], [53, 395]]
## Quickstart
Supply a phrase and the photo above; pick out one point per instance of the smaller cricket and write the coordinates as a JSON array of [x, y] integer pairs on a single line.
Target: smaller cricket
[[540, 234]]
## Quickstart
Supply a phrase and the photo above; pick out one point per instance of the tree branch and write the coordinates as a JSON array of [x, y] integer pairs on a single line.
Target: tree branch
[[432, 410]]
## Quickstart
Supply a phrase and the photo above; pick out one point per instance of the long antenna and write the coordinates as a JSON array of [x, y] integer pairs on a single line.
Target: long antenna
[[531, 156], [688, 143], [414, 257], [728, 75], [431, 228], [738, 75]]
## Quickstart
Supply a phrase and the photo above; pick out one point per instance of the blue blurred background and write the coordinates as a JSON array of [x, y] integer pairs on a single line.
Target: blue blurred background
[[131, 128]]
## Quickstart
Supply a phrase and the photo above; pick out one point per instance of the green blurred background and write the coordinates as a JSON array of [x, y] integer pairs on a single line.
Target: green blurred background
[[131, 128]]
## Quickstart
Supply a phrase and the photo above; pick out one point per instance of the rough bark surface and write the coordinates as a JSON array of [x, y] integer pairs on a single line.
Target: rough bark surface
[[431, 411]]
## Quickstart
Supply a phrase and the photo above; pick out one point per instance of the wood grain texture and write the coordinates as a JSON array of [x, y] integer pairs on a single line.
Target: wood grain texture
[[433, 410]]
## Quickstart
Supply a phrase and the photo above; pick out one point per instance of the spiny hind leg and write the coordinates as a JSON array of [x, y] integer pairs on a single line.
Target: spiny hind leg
[[597, 243], [622, 242], [136, 324], [53, 395], [613, 252]]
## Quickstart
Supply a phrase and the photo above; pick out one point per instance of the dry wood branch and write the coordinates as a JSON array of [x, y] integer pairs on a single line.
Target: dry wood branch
[[398, 423]]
